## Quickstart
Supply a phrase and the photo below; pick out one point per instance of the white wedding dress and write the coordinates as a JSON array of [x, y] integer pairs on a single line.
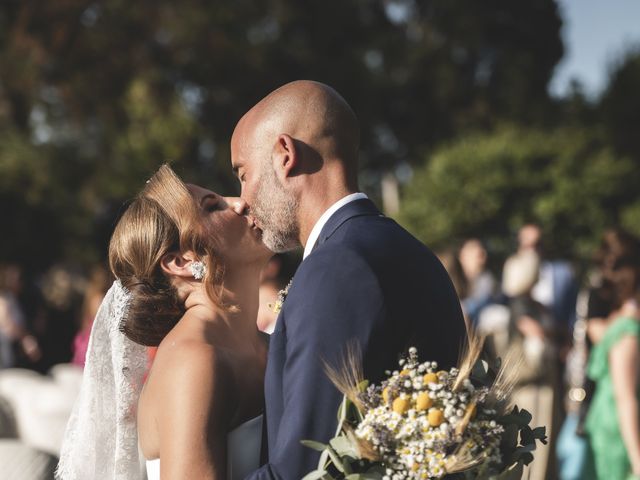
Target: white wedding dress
[[243, 451]]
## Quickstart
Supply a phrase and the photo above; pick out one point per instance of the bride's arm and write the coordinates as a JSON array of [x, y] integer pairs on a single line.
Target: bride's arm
[[191, 415]]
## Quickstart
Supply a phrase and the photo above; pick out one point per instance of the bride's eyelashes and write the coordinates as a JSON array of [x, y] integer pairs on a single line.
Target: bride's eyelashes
[[211, 207], [211, 203]]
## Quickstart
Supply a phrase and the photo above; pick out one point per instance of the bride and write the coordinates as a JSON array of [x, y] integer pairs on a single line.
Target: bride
[[187, 263]]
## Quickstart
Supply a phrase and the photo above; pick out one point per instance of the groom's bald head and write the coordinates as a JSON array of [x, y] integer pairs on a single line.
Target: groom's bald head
[[295, 153], [310, 112]]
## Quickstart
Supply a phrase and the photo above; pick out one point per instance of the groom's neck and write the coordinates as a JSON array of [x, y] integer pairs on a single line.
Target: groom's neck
[[314, 203]]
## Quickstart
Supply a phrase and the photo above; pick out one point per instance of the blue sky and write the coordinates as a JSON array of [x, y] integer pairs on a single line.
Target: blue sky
[[596, 34]]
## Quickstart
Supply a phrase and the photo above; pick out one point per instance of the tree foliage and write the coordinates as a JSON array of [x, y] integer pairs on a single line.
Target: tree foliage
[[569, 180], [94, 95], [620, 104]]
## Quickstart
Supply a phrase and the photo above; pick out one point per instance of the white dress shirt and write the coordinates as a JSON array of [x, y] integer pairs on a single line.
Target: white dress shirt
[[317, 228]]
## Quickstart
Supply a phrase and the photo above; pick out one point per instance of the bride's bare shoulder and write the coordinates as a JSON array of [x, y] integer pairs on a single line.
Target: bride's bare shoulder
[[189, 376], [188, 379], [189, 362]]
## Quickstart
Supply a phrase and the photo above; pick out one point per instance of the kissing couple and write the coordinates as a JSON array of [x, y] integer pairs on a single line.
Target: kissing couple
[[219, 401]]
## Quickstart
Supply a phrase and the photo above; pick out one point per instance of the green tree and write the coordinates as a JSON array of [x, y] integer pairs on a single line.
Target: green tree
[[94, 95], [620, 104], [569, 181]]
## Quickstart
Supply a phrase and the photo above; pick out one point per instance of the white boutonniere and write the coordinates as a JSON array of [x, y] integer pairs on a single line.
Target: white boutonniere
[[282, 296]]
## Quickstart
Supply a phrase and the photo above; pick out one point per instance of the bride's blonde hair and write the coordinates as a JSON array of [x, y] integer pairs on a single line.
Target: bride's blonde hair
[[163, 218]]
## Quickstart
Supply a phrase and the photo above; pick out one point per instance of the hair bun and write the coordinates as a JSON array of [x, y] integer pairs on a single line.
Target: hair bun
[[153, 311]]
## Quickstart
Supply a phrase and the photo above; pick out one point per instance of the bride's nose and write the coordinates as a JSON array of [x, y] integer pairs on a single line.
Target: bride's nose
[[237, 204]]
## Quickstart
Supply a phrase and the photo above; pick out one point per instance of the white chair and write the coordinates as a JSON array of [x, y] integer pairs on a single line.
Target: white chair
[[41, 404], [22, 462]]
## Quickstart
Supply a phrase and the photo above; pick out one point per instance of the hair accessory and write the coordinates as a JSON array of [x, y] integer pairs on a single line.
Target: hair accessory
[[198, 270]]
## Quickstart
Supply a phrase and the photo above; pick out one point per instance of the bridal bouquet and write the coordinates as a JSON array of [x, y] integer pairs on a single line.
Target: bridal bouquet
[[424, 423]]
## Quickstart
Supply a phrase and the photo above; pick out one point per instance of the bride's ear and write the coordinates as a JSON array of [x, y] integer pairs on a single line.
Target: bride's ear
[[177, 264]]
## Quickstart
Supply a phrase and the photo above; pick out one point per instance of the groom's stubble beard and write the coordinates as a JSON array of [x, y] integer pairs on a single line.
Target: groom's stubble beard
[[277, 212]]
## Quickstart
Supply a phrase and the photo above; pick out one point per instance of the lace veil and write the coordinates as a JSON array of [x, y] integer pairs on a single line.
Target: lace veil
[[101, 439]]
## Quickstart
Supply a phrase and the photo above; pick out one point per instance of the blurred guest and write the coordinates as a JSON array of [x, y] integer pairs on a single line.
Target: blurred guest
[[530, 325], [14, 336], [63, 291], [480, 281], [613, 423], [97, 286], [452, 265], [617, 247], [556, 287], [595, 304]]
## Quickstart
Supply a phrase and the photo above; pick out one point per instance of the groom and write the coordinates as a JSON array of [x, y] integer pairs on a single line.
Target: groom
[[363, 276]]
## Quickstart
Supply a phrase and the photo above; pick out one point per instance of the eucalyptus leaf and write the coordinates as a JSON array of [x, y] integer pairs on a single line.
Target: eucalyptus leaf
[[526, 458], [344, 447], [376, 472], [480, 372], [342, 466], [317, 475], [354, 442], [521, 455], [525, 417], [510, 436], [342, 410], [540, 433], [525, 448], [320, 447], [517, 417], [527, 439], [514, 472], [369, 475]]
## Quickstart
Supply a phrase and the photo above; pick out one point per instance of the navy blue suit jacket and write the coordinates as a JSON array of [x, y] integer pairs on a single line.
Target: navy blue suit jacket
[[366, 279]]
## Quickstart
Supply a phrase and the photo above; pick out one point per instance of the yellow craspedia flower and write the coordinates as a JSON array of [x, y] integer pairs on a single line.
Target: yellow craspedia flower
[[404, 372], [430, 378], [385, 395], [401, 405], [424, 402], [435, 417]]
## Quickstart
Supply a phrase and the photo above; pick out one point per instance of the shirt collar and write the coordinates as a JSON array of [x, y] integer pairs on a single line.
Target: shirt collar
[[317, 228]]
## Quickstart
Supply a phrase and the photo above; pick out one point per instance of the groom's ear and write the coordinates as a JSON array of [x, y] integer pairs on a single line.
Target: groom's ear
[[286, 156]]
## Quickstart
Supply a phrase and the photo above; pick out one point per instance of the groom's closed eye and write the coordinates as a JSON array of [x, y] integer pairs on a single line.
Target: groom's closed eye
[[240, 175]]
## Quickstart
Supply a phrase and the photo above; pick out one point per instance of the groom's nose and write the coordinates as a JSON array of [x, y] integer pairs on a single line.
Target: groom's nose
[[237, 204]]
